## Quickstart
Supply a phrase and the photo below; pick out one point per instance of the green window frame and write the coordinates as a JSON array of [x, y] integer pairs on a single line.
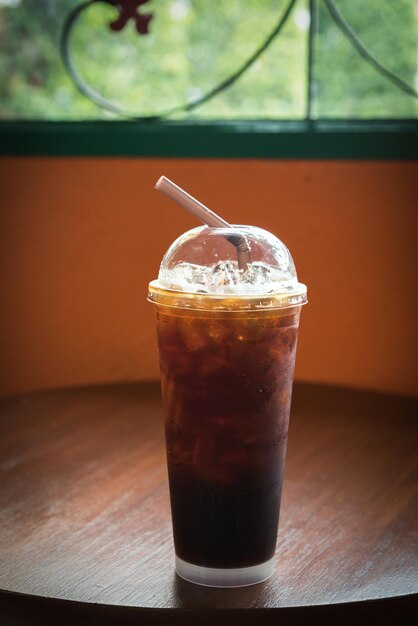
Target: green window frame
[[380, 140]]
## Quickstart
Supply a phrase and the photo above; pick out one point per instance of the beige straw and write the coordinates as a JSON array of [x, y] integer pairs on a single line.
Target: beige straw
[[206, 216]]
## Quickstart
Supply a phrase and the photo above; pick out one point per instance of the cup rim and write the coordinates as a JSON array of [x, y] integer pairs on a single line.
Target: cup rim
[[164, 296]]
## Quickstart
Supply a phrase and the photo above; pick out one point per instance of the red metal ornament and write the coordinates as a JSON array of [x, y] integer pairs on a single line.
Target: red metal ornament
[[129, 9]]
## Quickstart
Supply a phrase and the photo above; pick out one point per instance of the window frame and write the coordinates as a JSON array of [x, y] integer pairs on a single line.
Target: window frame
[[310, 139]]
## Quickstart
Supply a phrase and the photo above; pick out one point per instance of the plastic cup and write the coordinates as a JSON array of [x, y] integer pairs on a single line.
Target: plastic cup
[[227, 363]]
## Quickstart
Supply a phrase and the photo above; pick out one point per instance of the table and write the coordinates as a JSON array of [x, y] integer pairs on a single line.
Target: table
[[85, 531]]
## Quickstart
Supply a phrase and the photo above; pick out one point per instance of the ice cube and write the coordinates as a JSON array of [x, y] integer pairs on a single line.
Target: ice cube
[[222, 275]]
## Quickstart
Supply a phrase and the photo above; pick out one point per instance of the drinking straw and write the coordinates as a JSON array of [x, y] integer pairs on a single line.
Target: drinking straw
[[206, 216]]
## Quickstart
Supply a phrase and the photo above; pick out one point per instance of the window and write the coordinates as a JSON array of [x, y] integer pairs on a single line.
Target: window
[[206, 60]]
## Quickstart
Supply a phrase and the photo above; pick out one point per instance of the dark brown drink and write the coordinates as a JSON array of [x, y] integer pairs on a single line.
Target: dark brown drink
[[228, 303], [227, 383]]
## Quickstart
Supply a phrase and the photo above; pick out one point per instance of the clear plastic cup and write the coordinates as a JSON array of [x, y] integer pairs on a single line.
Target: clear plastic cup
[[227, 344]]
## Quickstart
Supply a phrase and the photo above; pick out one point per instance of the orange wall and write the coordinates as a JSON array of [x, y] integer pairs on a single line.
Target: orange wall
[[80, 239]]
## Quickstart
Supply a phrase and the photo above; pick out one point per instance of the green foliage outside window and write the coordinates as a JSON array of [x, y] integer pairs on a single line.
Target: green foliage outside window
[[193, 45]]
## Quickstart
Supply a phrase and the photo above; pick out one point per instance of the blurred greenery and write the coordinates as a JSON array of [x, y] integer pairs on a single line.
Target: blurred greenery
[[347, 86], [193, 45]]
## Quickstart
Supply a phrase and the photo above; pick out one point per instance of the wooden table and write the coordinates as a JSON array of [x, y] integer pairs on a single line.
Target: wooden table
[[85, 534]]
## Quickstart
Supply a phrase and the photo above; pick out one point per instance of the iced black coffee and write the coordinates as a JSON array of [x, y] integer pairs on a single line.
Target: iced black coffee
[[227, 343]]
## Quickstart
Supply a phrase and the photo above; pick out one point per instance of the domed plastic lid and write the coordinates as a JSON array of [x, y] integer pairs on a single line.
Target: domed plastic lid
[[238, 262]]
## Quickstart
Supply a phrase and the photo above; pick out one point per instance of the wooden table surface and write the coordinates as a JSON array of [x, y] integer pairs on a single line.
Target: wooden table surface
[[85, 531]]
